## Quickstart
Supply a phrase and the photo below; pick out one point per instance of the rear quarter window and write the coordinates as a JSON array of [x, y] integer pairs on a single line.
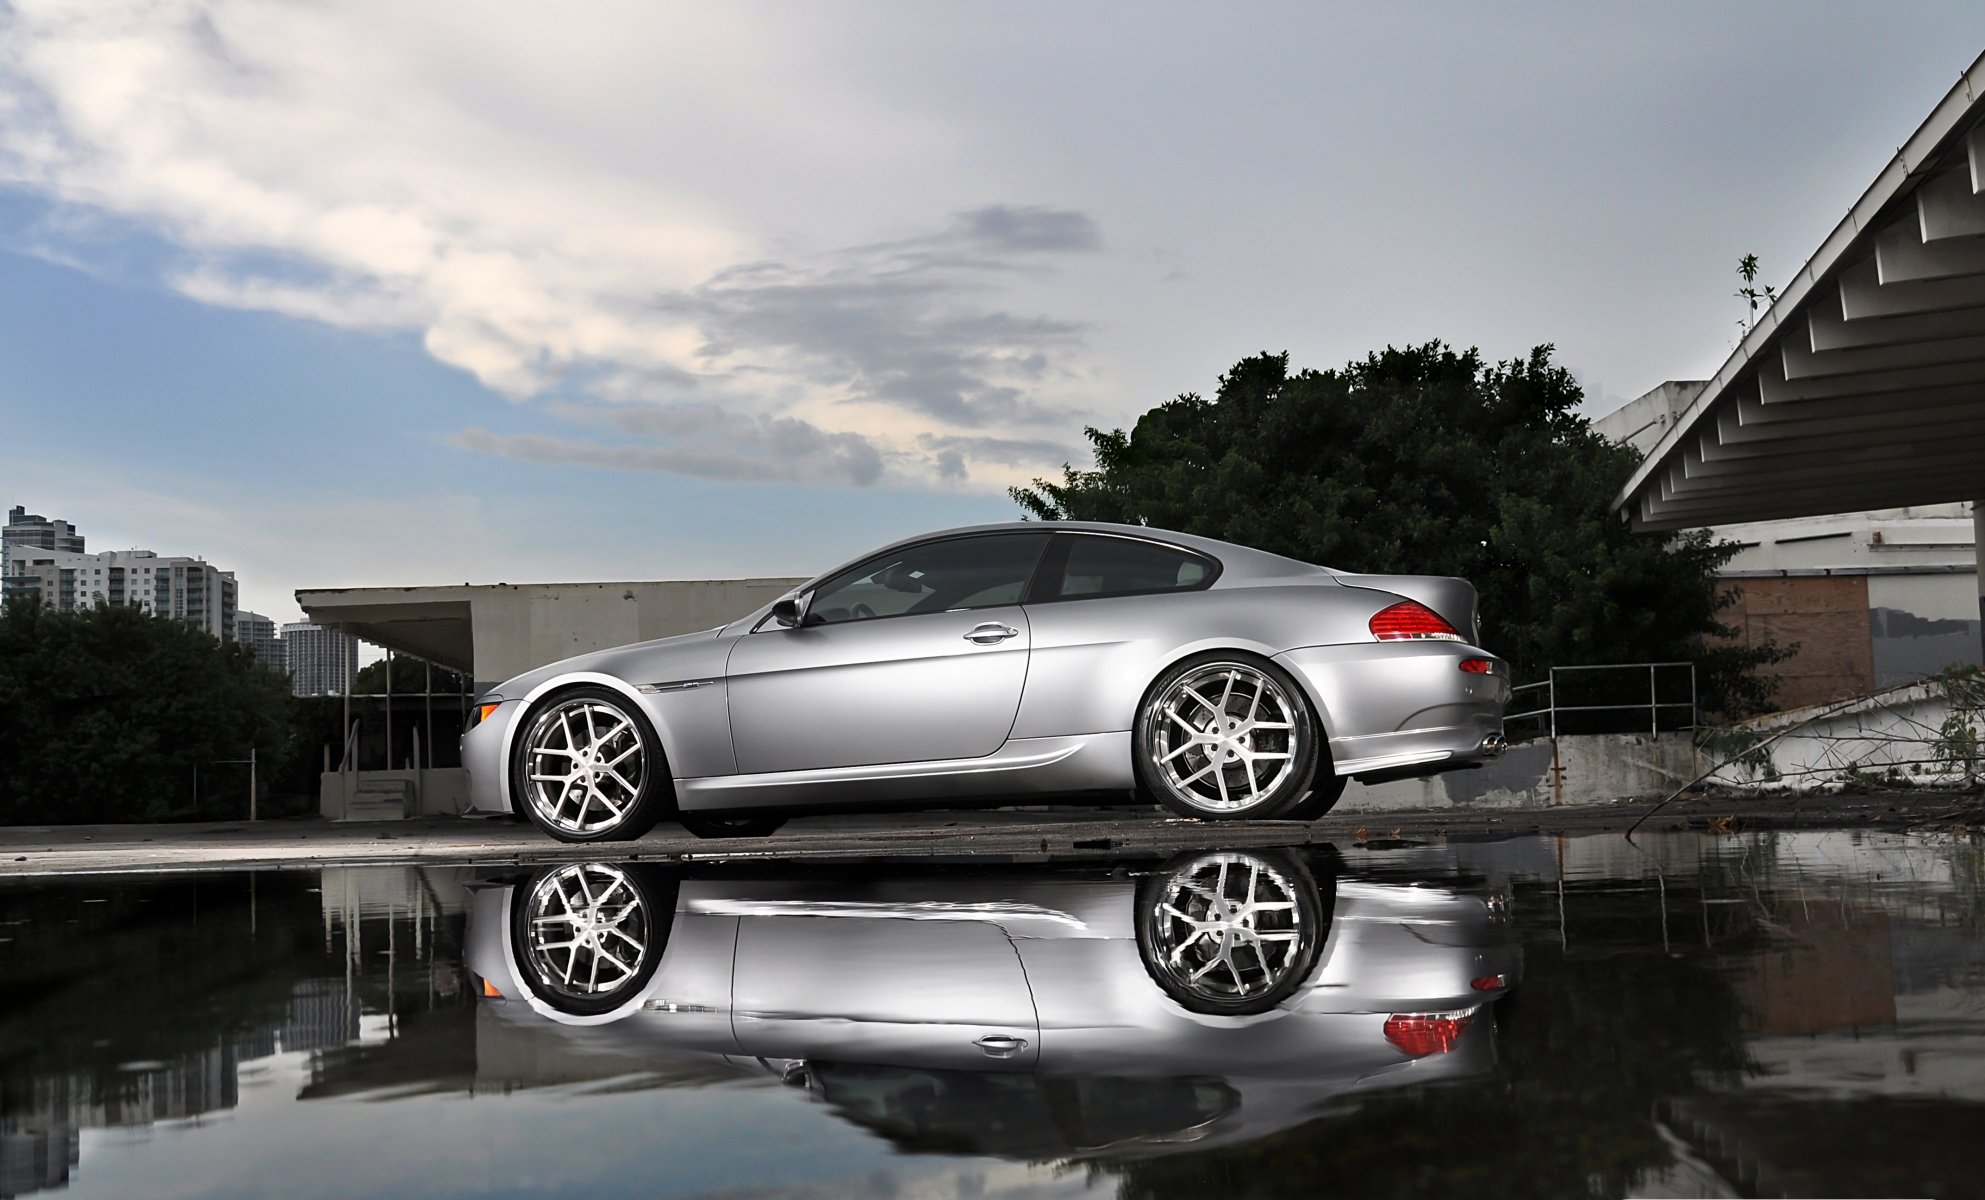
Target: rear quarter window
[[1090, 567]]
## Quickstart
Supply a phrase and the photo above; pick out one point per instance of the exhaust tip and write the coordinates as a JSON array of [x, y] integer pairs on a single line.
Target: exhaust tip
[[1494, 745]]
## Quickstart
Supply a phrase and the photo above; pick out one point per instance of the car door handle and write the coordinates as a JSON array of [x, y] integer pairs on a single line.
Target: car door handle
[[990, 634], [1001, 1045]]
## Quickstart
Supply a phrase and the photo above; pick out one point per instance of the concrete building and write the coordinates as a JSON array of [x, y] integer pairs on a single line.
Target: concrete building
[[258, 633], [188, 589], [32, 531], [1857, 403], [489, 633], [1871, 599], [320, 661]]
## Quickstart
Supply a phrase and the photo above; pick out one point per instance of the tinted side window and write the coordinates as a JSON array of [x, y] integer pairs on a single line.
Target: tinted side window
[[1112, 566], [968, 572]]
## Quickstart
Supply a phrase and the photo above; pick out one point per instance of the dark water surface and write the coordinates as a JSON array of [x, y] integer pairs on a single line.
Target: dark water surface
[[1772, 1014]]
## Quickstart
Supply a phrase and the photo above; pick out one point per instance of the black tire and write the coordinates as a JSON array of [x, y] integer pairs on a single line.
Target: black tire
[[547, 738], [1263, 956], [712, 825], [624, 915], [1174, 764], [1325, 792]]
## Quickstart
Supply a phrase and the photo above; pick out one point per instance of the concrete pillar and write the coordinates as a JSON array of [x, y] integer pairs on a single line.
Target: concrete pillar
[[1978, 562]]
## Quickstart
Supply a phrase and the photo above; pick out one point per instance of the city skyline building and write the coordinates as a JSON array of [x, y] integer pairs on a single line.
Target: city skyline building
[[32, 531], [187, 589], [48, 558], [320, 661], [258, 633]]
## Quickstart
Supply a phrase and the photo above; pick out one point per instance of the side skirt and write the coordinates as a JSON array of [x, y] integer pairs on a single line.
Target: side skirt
[[1024, 768]]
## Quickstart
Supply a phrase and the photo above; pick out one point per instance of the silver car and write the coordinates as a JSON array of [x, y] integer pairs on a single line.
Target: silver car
[[1004, 662], [1210, 999]]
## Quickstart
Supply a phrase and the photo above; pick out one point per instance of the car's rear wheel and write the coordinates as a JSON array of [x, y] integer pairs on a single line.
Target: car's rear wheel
[[588, 936], [1225, 736], [1325, 791], [706, 825], [588, 768]]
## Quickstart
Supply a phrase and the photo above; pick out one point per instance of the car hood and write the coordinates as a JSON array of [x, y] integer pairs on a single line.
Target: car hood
[[635, 659]]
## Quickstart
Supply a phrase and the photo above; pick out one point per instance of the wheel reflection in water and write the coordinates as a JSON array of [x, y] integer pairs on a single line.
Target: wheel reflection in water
[[589, 931], [1228, 930]]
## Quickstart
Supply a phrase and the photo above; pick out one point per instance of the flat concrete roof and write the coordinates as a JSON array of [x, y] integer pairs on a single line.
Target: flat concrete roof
[[495, 630], [1863, 386]]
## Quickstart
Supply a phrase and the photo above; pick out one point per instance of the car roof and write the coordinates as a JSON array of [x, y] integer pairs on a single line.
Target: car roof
[[1237, 562]]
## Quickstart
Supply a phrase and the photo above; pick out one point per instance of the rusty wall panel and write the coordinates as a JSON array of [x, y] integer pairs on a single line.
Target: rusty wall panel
[[1826, 617]]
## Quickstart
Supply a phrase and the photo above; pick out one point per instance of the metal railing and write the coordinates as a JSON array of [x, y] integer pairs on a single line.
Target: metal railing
[[1653, 704]]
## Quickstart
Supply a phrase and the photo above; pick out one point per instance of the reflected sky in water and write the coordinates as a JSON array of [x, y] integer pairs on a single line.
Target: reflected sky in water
[[1789, 1013]]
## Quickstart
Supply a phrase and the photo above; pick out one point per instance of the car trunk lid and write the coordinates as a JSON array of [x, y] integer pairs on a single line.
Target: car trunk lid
[[1454, 599]]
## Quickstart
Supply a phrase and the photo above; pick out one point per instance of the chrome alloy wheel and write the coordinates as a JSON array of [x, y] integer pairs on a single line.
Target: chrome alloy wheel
[[1228, 930], [584, 765], [1224, 737], [588, 931]]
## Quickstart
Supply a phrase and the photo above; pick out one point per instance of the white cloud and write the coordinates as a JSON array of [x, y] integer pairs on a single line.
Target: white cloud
[[546, 199]]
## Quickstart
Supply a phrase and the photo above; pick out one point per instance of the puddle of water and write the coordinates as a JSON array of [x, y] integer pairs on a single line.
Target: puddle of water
[[1789, 1013]]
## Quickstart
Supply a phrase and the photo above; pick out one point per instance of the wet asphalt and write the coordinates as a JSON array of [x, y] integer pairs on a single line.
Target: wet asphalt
[[1005, 833]]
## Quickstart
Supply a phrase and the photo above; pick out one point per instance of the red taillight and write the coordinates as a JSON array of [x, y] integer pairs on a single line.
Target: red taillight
[[1409, 620], [1421, 1034], [1489, 983], [1477, 666]]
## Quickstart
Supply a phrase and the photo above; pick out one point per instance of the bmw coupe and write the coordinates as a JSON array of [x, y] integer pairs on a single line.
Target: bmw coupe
[[1001, 663]]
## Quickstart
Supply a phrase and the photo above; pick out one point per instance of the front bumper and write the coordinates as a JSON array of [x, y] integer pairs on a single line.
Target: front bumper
[[1404, 708], [482, 758]]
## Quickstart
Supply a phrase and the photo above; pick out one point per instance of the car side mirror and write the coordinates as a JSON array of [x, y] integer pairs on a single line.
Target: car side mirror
[[789, 611]]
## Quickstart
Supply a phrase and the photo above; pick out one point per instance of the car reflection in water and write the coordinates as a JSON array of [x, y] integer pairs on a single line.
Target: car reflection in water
[[1022, 1012]]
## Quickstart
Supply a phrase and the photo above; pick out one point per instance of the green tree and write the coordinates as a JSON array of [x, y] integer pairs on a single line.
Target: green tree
[[410, 678], [106, 714], [1427, 461]]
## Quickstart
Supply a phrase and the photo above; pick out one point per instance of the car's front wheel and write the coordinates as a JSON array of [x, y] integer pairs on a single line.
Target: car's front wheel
[[588, 768], [1226, 736]]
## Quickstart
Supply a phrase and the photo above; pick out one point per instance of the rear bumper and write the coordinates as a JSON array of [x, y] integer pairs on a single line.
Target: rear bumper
[[1396, 709]]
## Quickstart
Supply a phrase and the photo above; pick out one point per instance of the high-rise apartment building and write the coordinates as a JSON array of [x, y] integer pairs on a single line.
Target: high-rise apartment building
[[321, 662], [258, 633], [32, 531], [184, 588]]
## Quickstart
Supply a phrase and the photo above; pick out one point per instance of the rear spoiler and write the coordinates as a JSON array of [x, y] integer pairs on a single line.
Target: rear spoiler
[[1454, 599]]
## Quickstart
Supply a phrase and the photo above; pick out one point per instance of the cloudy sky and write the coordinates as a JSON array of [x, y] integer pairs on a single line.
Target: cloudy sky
[[340, 294]]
